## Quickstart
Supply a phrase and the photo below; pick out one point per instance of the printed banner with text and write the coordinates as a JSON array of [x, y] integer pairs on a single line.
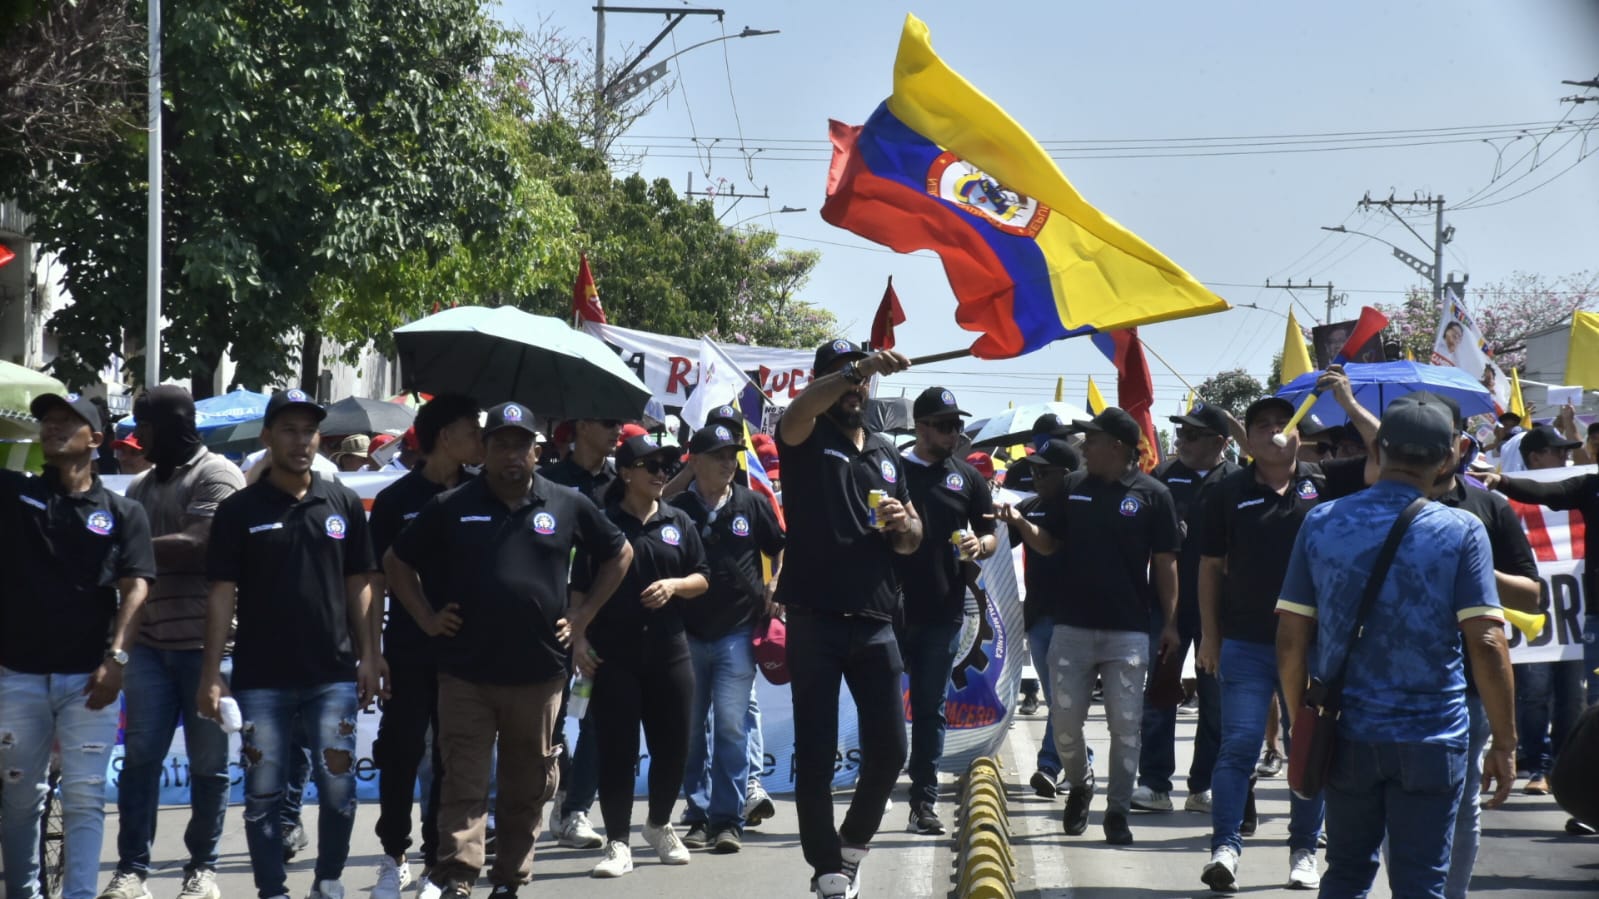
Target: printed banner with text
[[668, 366]]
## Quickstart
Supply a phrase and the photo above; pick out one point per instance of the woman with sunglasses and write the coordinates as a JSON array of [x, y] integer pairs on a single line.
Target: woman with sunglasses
[[636, 652]]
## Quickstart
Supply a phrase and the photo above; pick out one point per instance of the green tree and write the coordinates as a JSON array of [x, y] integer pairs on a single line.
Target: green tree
[[302, 140], [1232, 390]]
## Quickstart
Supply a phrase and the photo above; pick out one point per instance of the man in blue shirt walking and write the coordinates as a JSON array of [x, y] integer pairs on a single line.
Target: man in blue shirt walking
[[1400, 765]]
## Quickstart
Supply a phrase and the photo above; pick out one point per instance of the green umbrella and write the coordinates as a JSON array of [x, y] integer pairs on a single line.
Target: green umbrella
[[18, 388]]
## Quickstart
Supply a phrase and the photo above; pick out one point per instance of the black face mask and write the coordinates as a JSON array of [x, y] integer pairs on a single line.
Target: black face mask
[[169, 414]]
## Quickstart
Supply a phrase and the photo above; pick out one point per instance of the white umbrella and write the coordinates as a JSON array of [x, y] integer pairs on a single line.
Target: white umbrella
[[1015, 425]]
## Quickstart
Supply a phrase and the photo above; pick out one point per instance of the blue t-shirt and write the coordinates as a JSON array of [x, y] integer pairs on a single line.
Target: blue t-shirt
[[1405, 682]]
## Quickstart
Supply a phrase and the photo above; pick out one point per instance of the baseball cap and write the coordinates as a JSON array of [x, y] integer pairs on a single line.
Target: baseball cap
[[834, 351], [711, 438], [293, 398], [983, 462], [353, 445], [128, 443], [509, 415], [380, 441], [641, 447], [771, 651], [935, 401], [79, 405], [1055, 451], [630, 430], [1206, 416], [725, 416], [1113, 421], [1545, 437], [1264, 404], [1416, 428]]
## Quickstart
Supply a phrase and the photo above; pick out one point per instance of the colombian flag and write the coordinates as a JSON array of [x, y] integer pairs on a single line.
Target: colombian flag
[[940, 167]]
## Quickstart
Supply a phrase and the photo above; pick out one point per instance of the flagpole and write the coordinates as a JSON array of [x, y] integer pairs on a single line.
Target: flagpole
[[1169, 368]]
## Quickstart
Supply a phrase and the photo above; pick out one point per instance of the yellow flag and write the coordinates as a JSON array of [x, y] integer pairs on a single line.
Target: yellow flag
[[1296, 359], [1517, 404], [1096, 400], [1410, 355], [1060, 390], [1582, 357], [1188, 403]]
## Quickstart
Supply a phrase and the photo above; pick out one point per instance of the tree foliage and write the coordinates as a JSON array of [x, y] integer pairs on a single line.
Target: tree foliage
[[1232, 390], [1505, 311]]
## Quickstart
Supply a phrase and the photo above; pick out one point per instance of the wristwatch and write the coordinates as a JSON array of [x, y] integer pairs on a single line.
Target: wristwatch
[[119, 656], [852, 372]]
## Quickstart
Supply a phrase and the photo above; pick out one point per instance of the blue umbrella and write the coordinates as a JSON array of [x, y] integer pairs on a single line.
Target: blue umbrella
[[214, 412], [1376, 384]]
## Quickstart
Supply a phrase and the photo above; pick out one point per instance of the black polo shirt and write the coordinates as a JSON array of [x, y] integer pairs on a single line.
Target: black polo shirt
[[1187, 488], [1511, 552], [392, 511], [735, 537], [836, 561], [1042, 575], [507, 570], [1109, 531], [1343, 477], [67, 552], [593, 485], [949, 495], [666, 546], [1574, 494], [1253, 528], [289, 558]]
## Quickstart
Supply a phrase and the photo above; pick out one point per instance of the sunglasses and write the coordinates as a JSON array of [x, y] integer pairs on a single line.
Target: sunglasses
[[653, 466], [944, 426], [1191, 434]]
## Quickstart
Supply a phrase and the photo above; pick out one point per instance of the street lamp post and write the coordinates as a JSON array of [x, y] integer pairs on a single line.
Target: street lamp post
[[784, 211]]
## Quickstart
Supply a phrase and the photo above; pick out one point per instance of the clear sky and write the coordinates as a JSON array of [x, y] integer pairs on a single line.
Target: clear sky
[[1126, 79]]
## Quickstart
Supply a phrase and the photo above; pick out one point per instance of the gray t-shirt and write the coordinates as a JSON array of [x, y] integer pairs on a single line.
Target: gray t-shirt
[[174, 614]]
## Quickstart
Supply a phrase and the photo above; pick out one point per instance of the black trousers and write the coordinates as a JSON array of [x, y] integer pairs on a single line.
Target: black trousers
[[411, 709], [824, 650], [656, 689]]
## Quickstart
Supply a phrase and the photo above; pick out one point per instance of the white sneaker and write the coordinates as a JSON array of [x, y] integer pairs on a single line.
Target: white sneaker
[[125, 885], [1147, 800], [757, 804], [1221, 875], [618, 861], [426, 888], [833, 886], [1198, 802], [664, 841], [1302, 873], [392, 878], [327, 889], [201, 883], [577, 833], [853, 857]]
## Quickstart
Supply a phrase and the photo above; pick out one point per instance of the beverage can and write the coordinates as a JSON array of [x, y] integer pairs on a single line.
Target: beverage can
[[955, 540], [874, 499]]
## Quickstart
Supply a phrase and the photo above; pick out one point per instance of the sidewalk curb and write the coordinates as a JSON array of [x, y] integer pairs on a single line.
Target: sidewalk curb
[[985, 860]]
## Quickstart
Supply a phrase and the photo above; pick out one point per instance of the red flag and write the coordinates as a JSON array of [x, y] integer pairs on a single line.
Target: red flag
[[1371, 323], [888, 315], [1135, 390], [586, 297], [5, 254]]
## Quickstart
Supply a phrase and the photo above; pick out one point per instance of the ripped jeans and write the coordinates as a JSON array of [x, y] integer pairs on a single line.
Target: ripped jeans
[[38, 711], [1121, 660], [327, 712]]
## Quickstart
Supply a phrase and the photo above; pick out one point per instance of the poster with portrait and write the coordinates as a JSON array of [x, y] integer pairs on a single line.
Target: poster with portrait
[[1329, 339], [1459, 344]]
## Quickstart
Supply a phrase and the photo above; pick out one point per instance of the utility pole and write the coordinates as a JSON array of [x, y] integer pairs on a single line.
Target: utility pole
[[1442, 234], [1333, 301], [1591, 84]]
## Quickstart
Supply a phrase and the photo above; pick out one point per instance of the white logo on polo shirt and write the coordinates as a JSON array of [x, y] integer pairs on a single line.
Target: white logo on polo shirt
[[1128, 507], [1307, 490], [741, 526], [954, 481], [671, 536], [543, 523], [890, 473], [336, 527], [100, 522]]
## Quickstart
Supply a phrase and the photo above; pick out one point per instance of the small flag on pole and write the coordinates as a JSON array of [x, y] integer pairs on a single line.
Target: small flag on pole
[[888, 315], [1096, 400], [586, 297]]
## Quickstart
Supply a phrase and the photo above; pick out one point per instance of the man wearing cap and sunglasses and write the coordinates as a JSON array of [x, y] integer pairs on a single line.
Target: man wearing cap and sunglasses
[[493, 555], [849, 512], [80, 564], [1118, 530], [952, 498], [737, 527], [290, 554]]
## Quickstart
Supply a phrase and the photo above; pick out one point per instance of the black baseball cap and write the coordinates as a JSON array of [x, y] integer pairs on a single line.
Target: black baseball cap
[[641, 447], [293, 398], [1417, 427], [726, 416], [1050, 423], [1264, 403], [509, 415], [711, 438], [76, 403], [1448, 403], [1113, 421], [1545, 437], [833, 351], [1056, 451], [1205, 416], [1509, 418], [935, 401]]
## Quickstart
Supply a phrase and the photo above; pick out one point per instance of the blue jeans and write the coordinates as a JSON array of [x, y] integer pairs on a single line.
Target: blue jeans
[[1038, 644], [1157, 754], [1411, 790], [929, 654], [1468, 820], [584, 787], [159, 687], [1549, 699], [752, 727], [299, 776], [1120, 658], [717, 770], [38, 711], [327, 712], [1249, 683]]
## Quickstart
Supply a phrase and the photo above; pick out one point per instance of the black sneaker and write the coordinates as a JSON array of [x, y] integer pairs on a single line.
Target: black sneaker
[[726, 842], [698, 836], [1578, 829], [502, 892], [1075, 818], [1117, 833], [295, 839], [1043, 784], [924, 820], [1246, 828]]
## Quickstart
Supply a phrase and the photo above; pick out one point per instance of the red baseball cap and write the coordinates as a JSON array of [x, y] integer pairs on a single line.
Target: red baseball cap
[[129, 442], [409, 441], [983, 462], [771, 651]]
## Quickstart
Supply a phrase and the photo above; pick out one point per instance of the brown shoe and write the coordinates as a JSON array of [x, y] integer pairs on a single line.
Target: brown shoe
[[1537, 787]]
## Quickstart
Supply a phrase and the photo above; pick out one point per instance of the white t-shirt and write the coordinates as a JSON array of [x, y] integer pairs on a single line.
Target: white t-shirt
[[319, 462], [1510, 455]]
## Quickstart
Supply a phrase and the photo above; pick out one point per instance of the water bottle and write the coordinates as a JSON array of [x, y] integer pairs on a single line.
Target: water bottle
[[232, 720], [577, 705]]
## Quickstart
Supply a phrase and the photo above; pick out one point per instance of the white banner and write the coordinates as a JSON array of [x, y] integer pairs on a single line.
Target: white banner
[[669, 366], [1460, 344], [1557, 540]]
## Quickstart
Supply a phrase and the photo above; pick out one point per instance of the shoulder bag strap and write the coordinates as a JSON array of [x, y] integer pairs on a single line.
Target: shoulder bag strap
[[1379, 573]]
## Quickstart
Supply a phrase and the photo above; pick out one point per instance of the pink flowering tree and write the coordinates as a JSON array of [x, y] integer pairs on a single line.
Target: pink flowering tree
[[1505, 311]]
